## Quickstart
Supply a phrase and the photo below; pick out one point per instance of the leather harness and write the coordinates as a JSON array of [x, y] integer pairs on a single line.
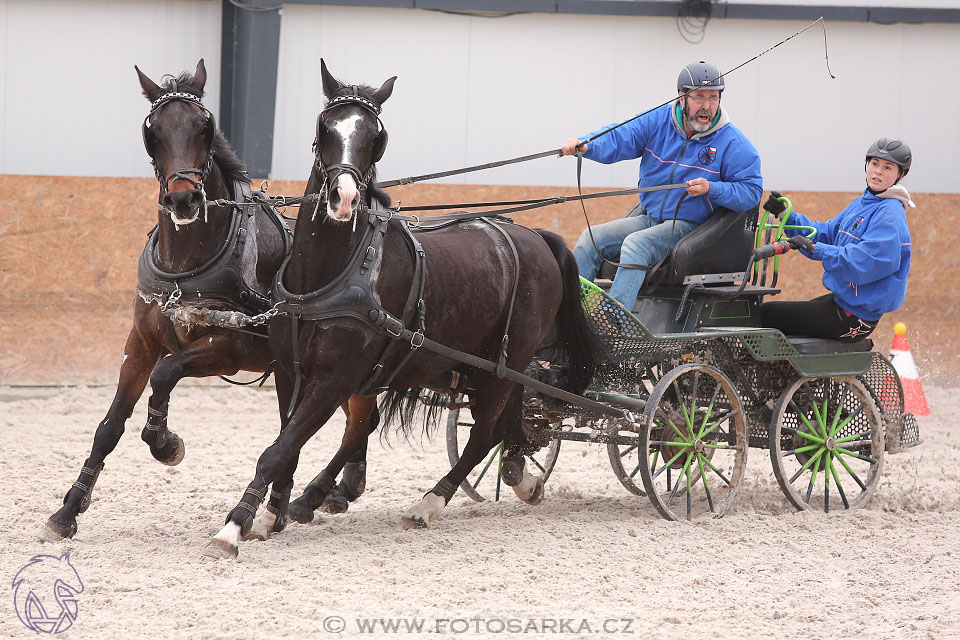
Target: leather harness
[[220, 279]]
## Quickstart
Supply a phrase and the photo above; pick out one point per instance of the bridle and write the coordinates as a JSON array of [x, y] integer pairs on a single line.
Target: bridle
[[330, 173], [184, 173]]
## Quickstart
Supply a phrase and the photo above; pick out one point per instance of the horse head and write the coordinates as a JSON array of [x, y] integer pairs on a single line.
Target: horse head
[[350, 140], [179, 135]]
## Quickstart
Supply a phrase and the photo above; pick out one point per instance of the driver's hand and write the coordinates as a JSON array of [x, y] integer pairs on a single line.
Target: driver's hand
[[802, 242], [569, 147], [773, 204], [697, 187]]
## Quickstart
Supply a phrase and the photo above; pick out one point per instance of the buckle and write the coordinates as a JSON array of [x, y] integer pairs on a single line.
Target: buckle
[[416, 340]]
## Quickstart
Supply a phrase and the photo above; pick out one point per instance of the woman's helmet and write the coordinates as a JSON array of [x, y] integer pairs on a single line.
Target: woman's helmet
[[699, 75], [892, 150]]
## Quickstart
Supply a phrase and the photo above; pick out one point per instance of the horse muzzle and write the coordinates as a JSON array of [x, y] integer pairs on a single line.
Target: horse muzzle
[[183, 206]]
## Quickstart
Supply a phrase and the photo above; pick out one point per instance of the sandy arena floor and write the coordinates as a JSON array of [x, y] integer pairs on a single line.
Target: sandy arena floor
[[590, 561]]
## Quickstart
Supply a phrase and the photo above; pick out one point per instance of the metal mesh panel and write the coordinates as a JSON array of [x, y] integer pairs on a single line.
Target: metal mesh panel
[[883, 383]]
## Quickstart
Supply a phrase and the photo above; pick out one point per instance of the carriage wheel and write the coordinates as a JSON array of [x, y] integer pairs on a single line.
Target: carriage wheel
[[826, 444], [693, 440], [625, 458], [484, 481]]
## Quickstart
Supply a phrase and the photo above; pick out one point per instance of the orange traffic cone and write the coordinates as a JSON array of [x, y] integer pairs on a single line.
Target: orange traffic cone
[[914, 401]]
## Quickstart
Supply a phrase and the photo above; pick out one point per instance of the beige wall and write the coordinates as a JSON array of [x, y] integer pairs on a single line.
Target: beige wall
[[69, 247]]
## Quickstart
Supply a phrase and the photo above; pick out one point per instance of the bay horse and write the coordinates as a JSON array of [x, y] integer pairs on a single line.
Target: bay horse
[[351, 264], [227, 254]]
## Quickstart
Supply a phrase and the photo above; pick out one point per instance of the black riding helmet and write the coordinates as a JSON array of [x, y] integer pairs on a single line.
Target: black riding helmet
[[891, 150], [699, 75]]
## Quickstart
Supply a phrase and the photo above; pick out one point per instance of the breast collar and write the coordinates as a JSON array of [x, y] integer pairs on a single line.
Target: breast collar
[[351, 295], [220, 279]]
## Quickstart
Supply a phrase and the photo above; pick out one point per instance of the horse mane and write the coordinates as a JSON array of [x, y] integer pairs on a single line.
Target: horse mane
[[231, 166], [367, 92]]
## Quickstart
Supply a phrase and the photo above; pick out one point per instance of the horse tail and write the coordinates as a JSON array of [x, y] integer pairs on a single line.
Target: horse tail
[[407, 408], [575, 338]]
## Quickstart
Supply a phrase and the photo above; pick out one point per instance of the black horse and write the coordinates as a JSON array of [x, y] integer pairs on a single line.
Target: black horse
[[352, 273], [229, 255]]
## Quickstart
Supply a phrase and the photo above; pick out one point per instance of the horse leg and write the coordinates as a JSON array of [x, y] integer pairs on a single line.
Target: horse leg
[[360, 412], [201, 358], [486, 432], [354, 479], [273, 519], [527, 486], [313, 411], [139, 358]]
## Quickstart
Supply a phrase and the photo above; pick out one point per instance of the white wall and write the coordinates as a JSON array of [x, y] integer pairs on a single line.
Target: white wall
[[70, 102], [472, 90]]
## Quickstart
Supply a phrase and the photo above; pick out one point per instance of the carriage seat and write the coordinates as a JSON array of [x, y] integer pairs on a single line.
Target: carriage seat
[[722, 245], [812, 346]]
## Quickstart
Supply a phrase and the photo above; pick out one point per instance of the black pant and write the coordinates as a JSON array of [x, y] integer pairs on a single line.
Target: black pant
[[817, 318]]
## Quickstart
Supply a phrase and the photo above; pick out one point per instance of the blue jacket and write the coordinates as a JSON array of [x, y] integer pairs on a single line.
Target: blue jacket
[[722, 155], [865, 252]]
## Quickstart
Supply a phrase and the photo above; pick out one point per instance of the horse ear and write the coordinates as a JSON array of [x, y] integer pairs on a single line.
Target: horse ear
[[330, 84], [380, 95], [150, 88], [200, 77], [379, 145]]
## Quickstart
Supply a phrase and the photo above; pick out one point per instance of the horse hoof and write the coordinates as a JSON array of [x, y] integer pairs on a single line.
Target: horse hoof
[[171, 454], [512, 471], [537, 496], [54, 531], [299, 512], [413, 522], [335, 504], [220, 549]]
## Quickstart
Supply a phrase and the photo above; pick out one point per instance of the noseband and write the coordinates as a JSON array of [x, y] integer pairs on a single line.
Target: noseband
[[184, 173], [330, 173]]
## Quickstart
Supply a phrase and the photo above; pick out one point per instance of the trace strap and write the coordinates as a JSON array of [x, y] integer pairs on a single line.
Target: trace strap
[[479, 167]]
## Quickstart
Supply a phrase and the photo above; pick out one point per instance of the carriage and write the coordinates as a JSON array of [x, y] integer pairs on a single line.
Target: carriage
[[700, 383]]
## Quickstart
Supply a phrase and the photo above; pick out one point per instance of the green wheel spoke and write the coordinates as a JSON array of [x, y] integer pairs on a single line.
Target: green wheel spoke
[[813, 477], [653, 461], [668, 463], [683, 472], [490, 459], [706, 485], [670, 443], [826, 484], [853, 475], [720, 417], [812, 459], [718, 446], [836, 481], [717, 471], [854, 454], [804, 449], [847, 420], [855, 437], [804, 434], [816, 410], [671, 423], [803, 417], [709, 411]]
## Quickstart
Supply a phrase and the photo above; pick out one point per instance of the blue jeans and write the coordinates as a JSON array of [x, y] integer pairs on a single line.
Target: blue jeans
[[633, 240]]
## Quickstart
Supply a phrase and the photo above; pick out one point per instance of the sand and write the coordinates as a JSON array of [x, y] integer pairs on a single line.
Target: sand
[[591, 561]]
